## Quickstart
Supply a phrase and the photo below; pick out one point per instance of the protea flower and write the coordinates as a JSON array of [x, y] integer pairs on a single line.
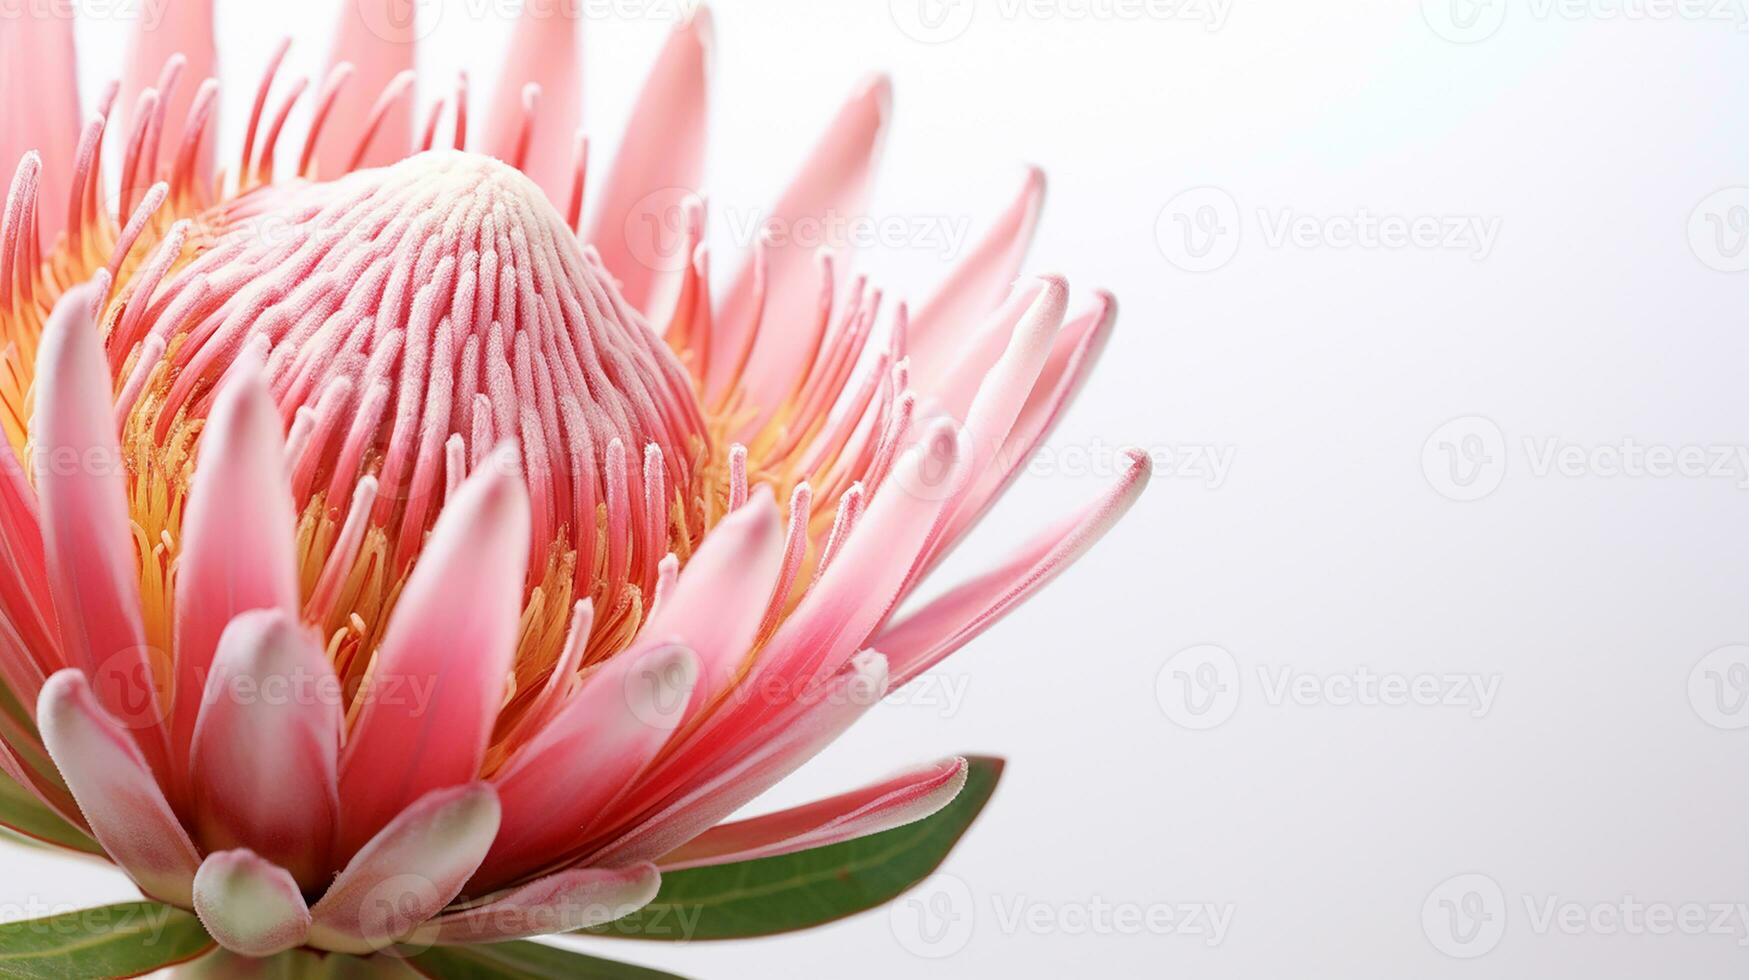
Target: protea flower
[[387, 563]]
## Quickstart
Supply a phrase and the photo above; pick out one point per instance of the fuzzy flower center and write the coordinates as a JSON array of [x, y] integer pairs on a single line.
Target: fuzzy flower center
[[410, 319]]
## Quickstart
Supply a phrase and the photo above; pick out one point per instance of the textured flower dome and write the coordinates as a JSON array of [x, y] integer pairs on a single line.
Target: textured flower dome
[[368, 519]]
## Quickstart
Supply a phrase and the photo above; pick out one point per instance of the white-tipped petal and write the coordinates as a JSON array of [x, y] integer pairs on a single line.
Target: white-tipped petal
[[249, 905]]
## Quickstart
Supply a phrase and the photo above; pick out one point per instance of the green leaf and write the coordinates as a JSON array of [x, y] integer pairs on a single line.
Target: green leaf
[[524, 961], [775, 895], [22, 812], [296, 964], [127, 940]]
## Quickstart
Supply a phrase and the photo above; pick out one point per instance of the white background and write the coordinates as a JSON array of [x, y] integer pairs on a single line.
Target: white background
[[1327, 834]]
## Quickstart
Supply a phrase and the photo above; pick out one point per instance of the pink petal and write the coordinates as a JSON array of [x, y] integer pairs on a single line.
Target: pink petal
[[977, 285], [439, 676], [1002, 392], [926, 637], [87, 533], [115, 789], [378, 38], [1024, 325], [250, 906], [864, 580], [545, 50], [558, 903], [621, 718], [895, 802], [30, 643], [262, 764], [660, 164], [839, 613], [836, 180], [1010, 380], [798, 736], [239, 550], [719, 600], [39, 99], [407, 873], [1077, 349], [161, 32]]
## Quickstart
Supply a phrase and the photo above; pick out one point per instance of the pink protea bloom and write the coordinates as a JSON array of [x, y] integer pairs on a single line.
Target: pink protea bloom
[[364, 522]]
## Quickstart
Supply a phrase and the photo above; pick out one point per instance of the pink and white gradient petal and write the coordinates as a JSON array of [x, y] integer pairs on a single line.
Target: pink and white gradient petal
[[558, 903], [979, 283], [264, 756], [836, 180], [39, 100], [239, 552], [625, 712], [924, 638], [408, 872], [903, 799], [719, 600], [378, 38], [249, 905], [115, 789], [546, 50], [87, 532], [440, 674], [660, 163]]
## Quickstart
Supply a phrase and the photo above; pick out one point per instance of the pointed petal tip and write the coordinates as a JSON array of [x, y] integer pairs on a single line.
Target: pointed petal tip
[[1141, 468], [243, 392], [760, 515], [496, 491], [699, 25], [1053, 283], [78, 299], [943, 781], [877, 90], [906, 797], [1029, 201]]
